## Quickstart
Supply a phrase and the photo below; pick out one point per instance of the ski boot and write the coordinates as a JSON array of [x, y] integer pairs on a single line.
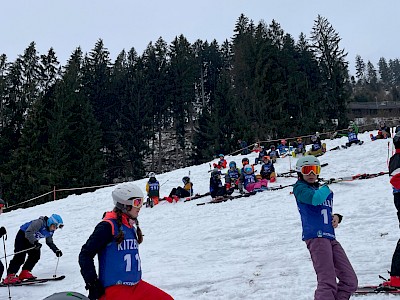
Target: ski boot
[[11, 279], [26, 275]]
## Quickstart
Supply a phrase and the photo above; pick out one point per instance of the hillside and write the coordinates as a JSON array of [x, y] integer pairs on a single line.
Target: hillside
[[249, 248]]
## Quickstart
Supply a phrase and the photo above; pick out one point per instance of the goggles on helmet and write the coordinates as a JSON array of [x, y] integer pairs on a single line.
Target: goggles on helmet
[[136, 202], [1, 205], [306, 170]]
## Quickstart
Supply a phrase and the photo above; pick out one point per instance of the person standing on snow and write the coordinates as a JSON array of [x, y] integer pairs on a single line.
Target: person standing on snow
[[115, 241], [153, 189], [394, 173], [27, 242], [329, 259]]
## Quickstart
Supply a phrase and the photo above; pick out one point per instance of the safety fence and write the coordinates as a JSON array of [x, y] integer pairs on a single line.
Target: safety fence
[[54, 192]]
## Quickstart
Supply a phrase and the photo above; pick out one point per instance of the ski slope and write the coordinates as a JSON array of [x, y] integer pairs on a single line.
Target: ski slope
[[248, 248]]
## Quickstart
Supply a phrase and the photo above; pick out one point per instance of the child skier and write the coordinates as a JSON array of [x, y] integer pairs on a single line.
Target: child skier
[[232, 178], [221, 163], [328, 257], [282, 148], [379, 136], [116, 241], [317, 148], [27, 241], [217, 189], [273, 153], [153, 190], [353, 139], [394, 173], [249, 181], [268, 170], [261, 154], [299, 147], [181, 192]]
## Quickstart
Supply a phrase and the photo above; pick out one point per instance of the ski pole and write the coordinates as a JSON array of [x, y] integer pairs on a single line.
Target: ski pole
[[18, 252], [164, 182], [55, 272], [5, 255]]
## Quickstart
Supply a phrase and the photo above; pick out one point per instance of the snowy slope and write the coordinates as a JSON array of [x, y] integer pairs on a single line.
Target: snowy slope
[[248, 248]]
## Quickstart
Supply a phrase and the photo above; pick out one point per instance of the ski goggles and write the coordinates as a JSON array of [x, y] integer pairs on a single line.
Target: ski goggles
[[137, 202], [59, 225], [1, 205], [306, 170]]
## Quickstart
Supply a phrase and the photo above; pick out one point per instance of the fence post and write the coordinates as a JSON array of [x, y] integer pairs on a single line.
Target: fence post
[[54, 193]]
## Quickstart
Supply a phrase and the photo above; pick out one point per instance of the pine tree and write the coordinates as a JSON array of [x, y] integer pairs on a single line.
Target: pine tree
[[334, 69]]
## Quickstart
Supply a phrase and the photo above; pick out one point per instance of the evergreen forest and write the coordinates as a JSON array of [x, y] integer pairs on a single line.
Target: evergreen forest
[[94, 120]]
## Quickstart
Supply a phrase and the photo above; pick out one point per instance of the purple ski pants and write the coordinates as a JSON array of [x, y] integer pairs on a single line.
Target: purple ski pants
[[331, 262]]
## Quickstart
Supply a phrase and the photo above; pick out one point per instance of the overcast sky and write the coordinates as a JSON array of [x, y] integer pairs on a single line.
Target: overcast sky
[[367, 28]]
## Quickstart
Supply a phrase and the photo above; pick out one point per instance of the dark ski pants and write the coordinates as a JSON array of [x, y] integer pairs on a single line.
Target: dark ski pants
[[396, 197], [395, 268], [21, 243], [331, 262], [180, 192], [1, 269]]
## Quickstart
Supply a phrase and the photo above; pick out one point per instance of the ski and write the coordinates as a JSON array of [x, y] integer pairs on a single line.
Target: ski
[[23, 283], [377, 289], [353, 177], [197, 196], [57, 278], [34, 281]]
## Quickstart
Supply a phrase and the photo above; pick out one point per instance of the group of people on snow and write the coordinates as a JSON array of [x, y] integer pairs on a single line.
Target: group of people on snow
[[115, 241], [120, 227]]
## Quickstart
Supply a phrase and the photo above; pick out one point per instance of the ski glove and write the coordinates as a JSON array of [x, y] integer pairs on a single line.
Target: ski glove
[[58, 253], [37, 245], [3, 231], [96, 289]]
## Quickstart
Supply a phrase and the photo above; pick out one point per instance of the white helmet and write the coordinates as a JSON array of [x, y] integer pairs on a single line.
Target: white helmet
[[124, 194], [152, 175], [308, 160]]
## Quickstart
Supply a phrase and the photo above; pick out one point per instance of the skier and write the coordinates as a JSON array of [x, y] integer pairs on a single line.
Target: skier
[[317, 148], [232, 178], [268, 170], [27, 242], [282, 148], [379, 136], [67, 296], [221, 163], [257, 148], [394, 173], [3, 232], [115, 241], [181, 192], [353, 139], [385, 129], [299, 147], [273, 153], [261, 154], [249, 181], [217, 189], [328, 257], [153, 190]]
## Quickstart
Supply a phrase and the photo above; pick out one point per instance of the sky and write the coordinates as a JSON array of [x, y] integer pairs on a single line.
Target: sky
[[367, 28], [248, 248]]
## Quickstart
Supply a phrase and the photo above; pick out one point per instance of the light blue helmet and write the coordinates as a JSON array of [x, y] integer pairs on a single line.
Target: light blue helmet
[[54, 219]]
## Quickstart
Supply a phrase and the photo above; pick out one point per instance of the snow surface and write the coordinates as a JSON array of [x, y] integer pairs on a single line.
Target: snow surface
[[248, 248]]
